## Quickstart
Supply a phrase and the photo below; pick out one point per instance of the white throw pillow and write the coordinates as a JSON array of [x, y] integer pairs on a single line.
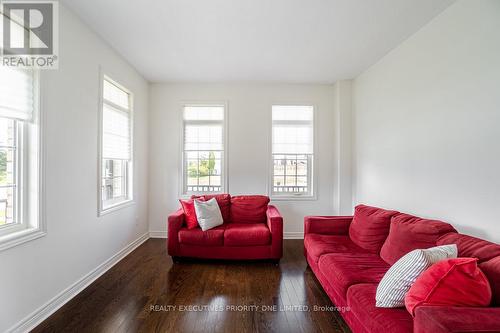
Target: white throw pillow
[[208, 213], [399, 278]]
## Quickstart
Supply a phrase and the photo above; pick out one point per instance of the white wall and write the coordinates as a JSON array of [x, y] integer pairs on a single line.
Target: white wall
[[249, 129], [343, 147], [427, 122], [77, 241]]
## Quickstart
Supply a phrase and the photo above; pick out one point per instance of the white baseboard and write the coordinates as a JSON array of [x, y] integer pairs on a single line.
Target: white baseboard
[[286, 235], [42, 313], [293, 235], [157, 234]]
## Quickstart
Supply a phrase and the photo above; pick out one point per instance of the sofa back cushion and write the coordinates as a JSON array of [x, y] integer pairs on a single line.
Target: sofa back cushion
[[224, 201], [370, 226], [469, 246], [491, 269], [249, 208], [408, 233]]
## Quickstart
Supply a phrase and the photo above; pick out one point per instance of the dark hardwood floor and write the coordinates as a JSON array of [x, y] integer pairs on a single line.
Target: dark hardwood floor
[[146, 292]]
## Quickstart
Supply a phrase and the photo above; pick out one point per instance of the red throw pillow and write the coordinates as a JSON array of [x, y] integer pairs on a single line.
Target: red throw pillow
[[450, 282], [249, 208], [190, 213], [408, 233], [224, 201], [370, 226]]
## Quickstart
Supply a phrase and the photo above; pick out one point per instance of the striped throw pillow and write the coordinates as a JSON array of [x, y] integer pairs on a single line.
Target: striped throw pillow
[[399, 278]]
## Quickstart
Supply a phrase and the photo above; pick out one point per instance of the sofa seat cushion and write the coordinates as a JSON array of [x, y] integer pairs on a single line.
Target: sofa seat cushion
[[370, 227], [212, 237], [343, 270], [318, 245], [408, 233], [247, 234], [361, 301], [472, 247], [249, 208]]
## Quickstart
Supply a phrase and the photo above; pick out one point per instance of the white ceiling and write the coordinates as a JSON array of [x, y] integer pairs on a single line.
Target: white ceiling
[[306, 41]]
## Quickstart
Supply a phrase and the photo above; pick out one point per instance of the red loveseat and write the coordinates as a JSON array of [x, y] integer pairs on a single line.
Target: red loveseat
[[350, 254], [252, 229]]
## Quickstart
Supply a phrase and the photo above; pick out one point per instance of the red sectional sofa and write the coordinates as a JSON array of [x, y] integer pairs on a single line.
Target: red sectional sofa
[[252, 229], [350, 254]]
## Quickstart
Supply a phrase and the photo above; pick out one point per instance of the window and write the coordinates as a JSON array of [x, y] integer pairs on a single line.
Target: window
[[203, 153], [19, 157], [116, 146], [9, 170], [292, 151]]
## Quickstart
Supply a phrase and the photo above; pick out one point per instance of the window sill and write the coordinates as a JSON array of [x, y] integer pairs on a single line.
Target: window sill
[[292, 198], [116, 207], [186, 196], [20, 237]]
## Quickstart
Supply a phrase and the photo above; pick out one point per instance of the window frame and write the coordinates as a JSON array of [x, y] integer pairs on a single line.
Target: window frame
[[312, 177], [124, 181], [183, 193], [30, 177], [102, 210]]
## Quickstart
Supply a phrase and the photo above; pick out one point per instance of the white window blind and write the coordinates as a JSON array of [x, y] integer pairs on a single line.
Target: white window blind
[[116, 95], [206, 113], [203, 129], [203, 137], [292, 129], [116, 123], [16, 93]]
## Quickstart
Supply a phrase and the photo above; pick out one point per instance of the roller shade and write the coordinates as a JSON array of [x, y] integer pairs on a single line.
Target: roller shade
[[293, 130], [203, 128], [203, 137], [204, 113], [116, 124], [114, 94], [16, 93]]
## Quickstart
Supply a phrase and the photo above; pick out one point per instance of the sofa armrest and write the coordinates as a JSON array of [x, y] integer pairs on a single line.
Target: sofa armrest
[[329, 225], [275, 225], [175, 222], [441, 319]]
